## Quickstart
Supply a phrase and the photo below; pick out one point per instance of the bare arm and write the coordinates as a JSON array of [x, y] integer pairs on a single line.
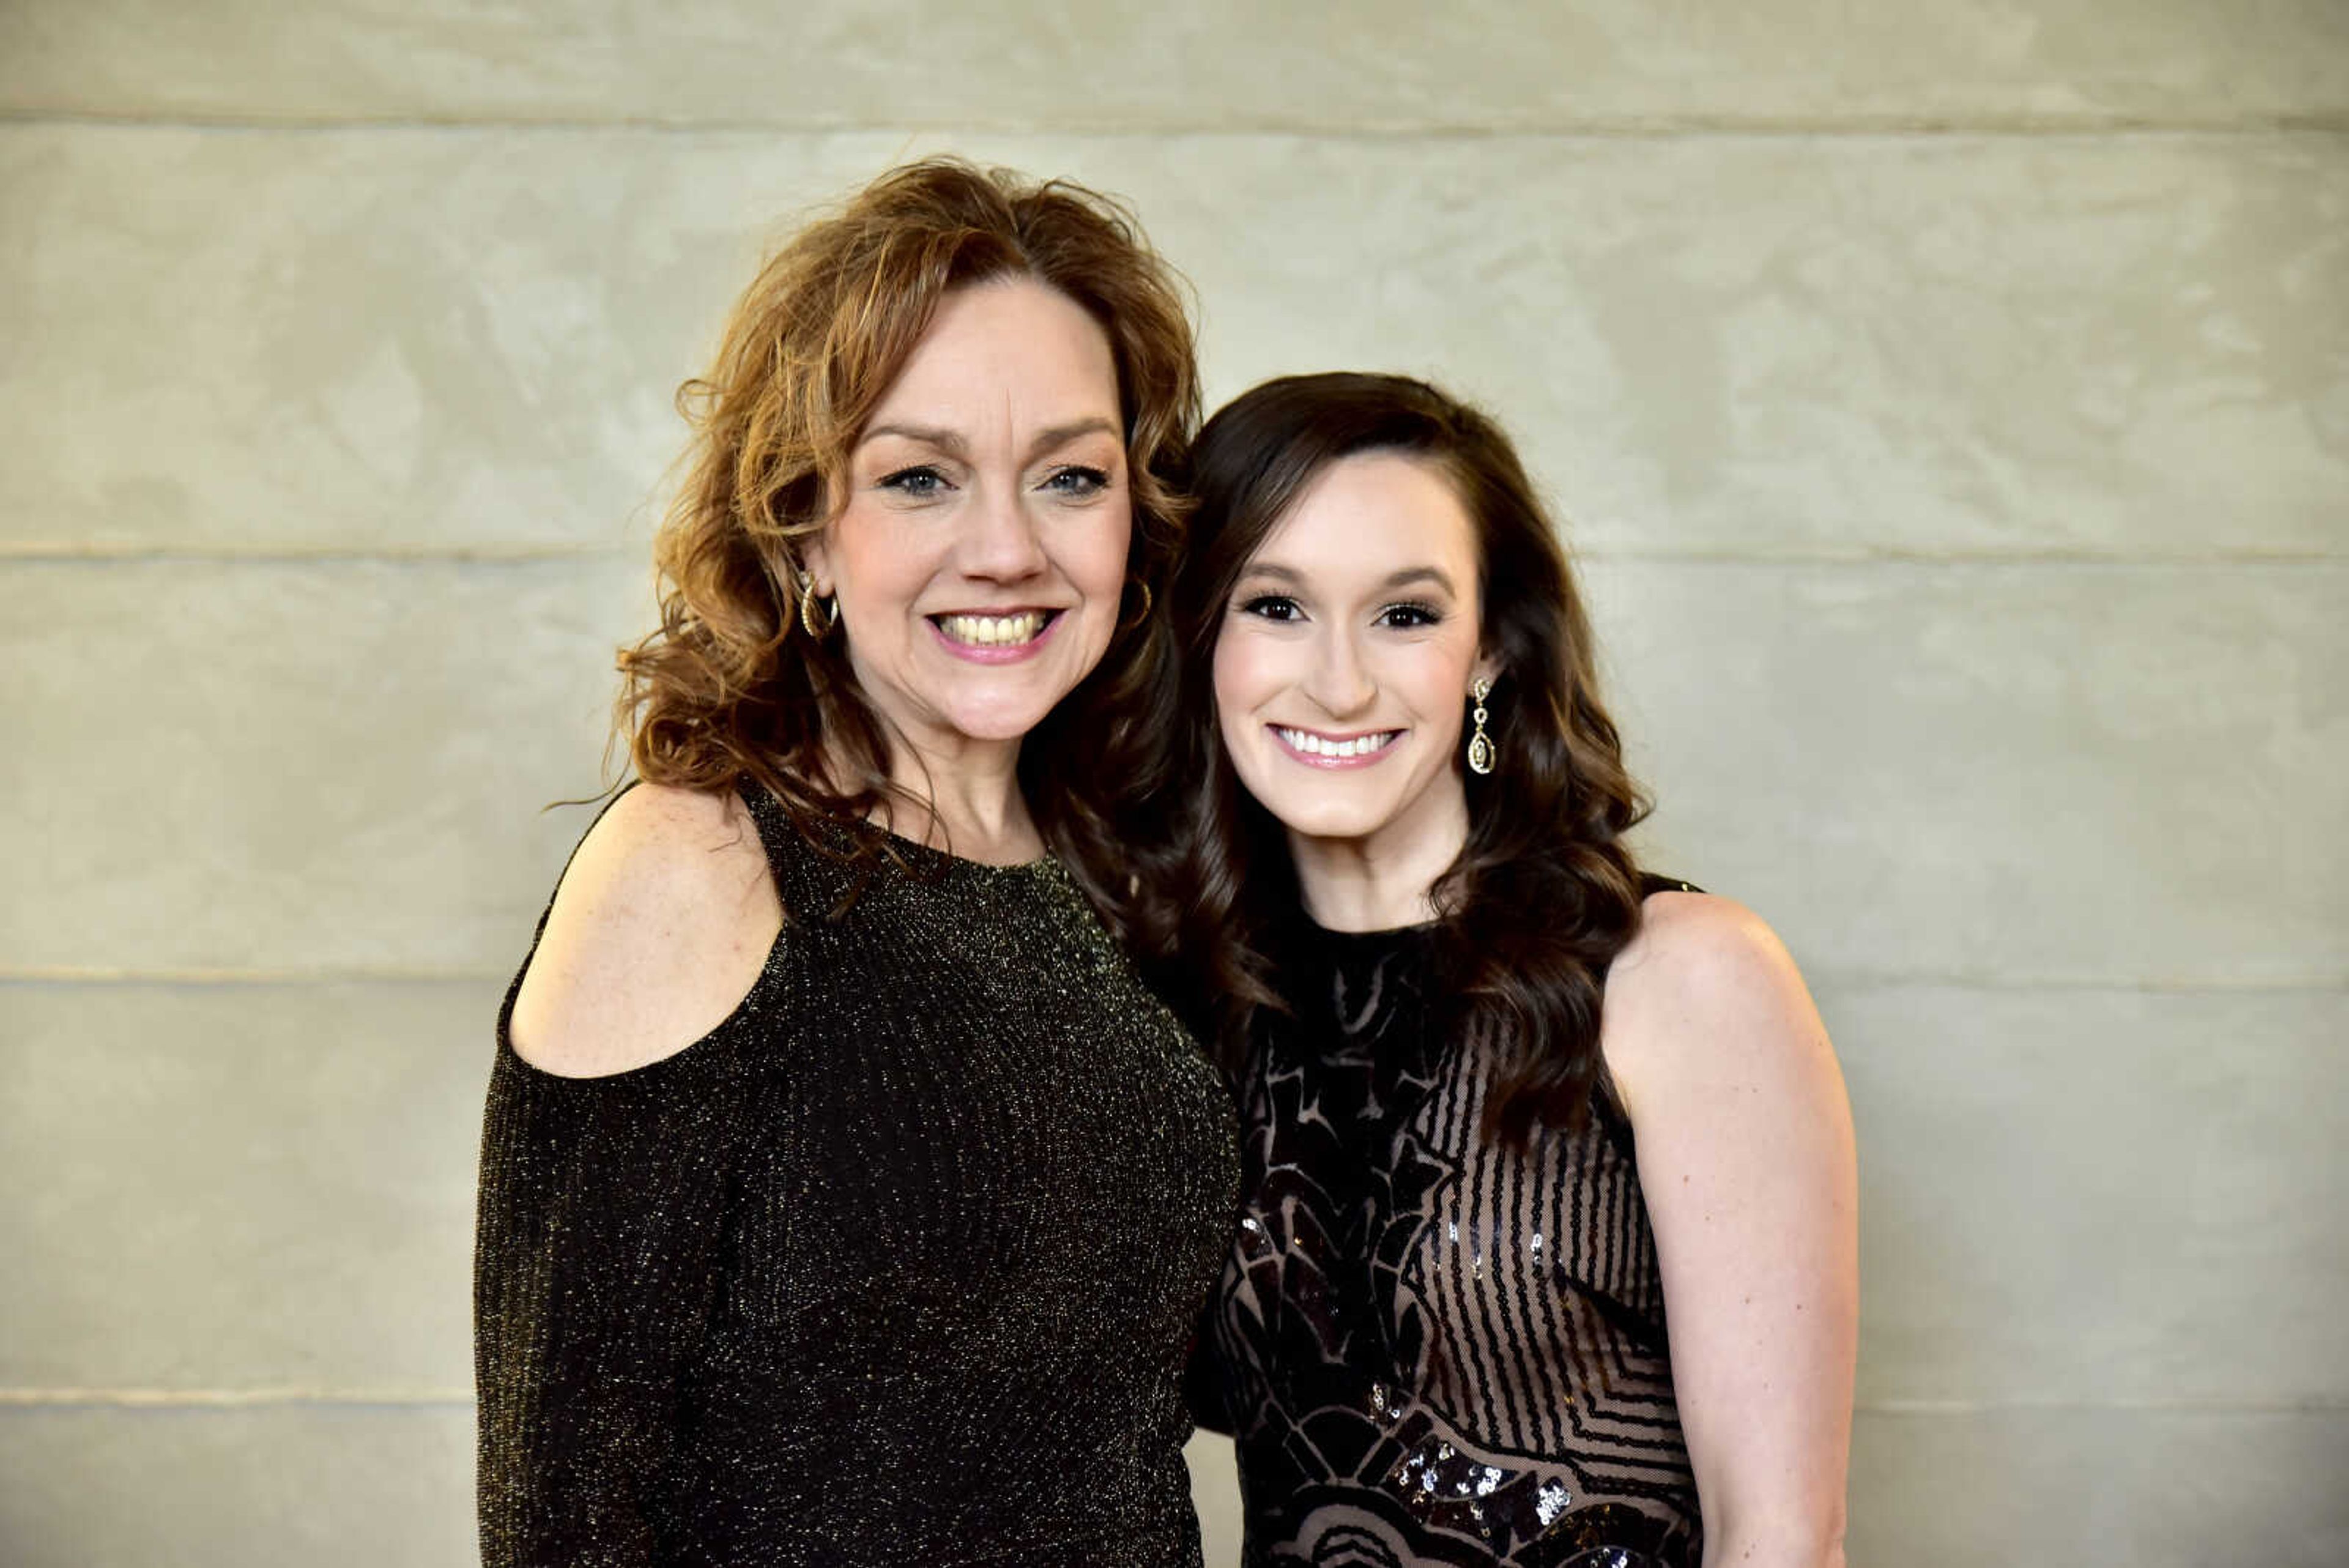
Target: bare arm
[[1746, 1160]]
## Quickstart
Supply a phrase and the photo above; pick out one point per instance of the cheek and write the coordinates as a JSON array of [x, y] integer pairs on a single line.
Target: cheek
[[871, 562], [1245, 673], [1439, 680], [1097, 561]]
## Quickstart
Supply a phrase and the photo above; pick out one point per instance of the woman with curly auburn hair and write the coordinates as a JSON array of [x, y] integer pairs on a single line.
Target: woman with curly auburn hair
[[1547, 1242], [846, 1198]]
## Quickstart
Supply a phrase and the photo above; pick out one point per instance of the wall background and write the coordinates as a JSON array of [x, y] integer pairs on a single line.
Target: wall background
[[1950, 405]]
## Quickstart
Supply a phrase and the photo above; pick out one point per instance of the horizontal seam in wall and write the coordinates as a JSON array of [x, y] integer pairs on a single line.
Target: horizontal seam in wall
[[230, 1398], [1594, 127], [1821, 979], [356, 974], [1864, 979], [2324, 1405], [40, 554]]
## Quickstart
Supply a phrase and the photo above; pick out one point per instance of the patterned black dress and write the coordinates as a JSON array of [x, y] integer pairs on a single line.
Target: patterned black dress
[[1432, 1349]]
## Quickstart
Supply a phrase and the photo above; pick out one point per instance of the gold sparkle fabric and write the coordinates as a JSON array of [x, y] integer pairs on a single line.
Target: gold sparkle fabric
[[897, 1265]]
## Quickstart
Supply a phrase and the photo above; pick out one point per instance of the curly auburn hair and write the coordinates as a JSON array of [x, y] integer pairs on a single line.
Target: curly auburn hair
[[1545, 892], [731, 684]]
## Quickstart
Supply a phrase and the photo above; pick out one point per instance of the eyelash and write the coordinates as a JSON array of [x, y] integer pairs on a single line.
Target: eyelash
[[1422, 615], [1091, 482], [1095, 481], [900, 481]]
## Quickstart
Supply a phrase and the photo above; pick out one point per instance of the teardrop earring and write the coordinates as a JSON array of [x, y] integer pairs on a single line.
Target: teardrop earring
[[1480, 744]]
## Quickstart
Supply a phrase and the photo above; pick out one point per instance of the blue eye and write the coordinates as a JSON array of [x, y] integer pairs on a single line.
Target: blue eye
[[1273, 607], [920, 482], [1406, 616], [1077, 482]]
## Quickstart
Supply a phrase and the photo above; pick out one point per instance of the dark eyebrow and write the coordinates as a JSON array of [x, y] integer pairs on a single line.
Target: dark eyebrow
[[1411, 575], [1393, 581]]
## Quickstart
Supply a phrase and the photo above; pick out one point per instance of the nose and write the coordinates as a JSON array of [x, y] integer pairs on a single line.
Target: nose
[[1338, 682], [1002, 543]]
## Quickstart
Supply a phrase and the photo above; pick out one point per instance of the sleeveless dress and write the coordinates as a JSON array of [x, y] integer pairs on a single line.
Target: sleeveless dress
[[898, 1264], [1431, 1349]]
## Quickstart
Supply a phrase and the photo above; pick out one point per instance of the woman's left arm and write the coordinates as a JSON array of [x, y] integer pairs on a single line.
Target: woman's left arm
[[1746, 1161]]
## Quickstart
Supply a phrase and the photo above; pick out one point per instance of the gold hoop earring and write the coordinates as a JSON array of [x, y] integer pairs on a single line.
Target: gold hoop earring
[[1140, 615], [807, 601], [1480, 744]]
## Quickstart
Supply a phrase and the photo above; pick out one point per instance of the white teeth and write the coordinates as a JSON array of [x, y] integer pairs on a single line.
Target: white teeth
[[993, 630], [1314, 745]]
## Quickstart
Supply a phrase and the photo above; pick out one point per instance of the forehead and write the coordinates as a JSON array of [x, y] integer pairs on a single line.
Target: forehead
[[1365, 517], [1008, 347]]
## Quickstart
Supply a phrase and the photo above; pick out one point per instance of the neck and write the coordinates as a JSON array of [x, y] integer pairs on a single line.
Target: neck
[[969, 800], [1384, 880]]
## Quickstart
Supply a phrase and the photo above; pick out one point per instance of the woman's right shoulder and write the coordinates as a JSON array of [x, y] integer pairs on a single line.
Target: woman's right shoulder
[[658, 929]]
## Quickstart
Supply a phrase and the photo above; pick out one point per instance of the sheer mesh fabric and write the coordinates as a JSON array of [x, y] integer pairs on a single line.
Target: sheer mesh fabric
[[1431, 1349]]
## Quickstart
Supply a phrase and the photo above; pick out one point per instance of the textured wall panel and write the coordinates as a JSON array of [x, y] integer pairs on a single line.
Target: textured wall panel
[[2099, 1196], [276, 766], [2008, 774], [395, 341], [1216, 1493], [2115, 1488], [364, 1488], [239, 1187], [1498, 63], [2105, 774]]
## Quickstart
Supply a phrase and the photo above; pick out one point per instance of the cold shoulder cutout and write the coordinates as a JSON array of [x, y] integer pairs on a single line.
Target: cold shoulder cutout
[[660, 924]]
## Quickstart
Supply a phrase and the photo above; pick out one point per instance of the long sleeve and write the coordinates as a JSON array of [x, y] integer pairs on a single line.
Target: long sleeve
[[598, 1247], [895, 1265]]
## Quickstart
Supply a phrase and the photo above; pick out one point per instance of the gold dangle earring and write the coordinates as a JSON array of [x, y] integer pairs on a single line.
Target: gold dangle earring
[[1480, 744], [807, 601]]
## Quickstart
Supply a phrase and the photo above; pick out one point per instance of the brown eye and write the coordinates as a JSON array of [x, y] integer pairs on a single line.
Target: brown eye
[[1273, 607]]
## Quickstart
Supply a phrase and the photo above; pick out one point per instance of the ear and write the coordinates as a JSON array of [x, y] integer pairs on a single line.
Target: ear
[[1487, 668], [817, 563]]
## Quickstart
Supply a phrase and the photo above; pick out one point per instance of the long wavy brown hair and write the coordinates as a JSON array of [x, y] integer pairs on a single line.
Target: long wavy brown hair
[[1545, 892], [733, 683]]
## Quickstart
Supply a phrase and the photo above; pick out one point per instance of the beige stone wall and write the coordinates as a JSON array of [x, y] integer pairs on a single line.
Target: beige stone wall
[[1951, 403]]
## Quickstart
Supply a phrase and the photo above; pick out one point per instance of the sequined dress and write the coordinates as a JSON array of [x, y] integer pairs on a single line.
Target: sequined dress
[[1430, 1348], [897, 1265]]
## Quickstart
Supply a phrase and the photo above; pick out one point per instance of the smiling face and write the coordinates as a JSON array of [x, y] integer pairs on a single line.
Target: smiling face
[[1346, 653], [979, 556]]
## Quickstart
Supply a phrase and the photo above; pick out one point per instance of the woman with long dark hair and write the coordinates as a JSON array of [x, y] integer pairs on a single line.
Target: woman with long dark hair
[[1546, 1251], [846, 1198]]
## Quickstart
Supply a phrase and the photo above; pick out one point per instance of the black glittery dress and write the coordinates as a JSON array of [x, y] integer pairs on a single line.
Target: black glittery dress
[[897, 1265], [1432, 1349]]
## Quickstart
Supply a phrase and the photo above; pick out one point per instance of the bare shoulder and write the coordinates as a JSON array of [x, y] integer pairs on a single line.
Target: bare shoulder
[[658, 929], [1706, 991]]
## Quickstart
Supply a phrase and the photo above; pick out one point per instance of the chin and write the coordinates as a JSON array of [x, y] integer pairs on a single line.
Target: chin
[[1338, 830], [998, 725], [1320, 818]]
